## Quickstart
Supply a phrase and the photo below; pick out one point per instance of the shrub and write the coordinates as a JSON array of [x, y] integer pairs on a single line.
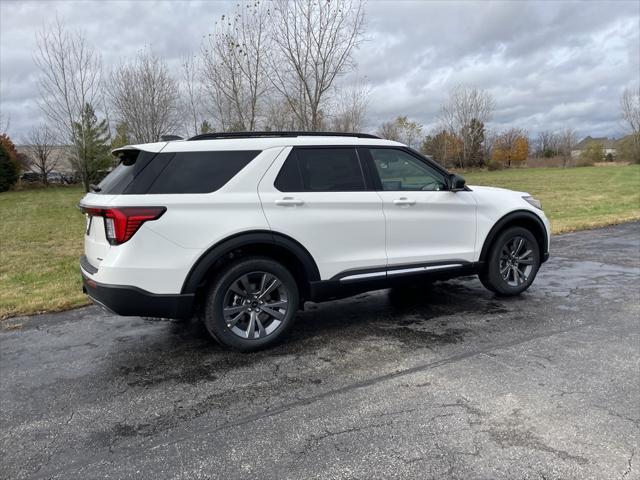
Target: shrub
[[585, 162], [8, 170], [493, 165], [627, 150], [592, 154]]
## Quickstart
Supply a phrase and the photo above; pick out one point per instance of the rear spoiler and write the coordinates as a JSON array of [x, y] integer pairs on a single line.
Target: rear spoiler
[[155, 147], [126, 155], [129, 153]]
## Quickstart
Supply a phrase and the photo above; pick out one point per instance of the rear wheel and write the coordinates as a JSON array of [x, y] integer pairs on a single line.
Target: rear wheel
[[252, 304], [512, 262]]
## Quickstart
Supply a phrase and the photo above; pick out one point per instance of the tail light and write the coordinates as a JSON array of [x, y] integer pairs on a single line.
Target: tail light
[[120, 224]]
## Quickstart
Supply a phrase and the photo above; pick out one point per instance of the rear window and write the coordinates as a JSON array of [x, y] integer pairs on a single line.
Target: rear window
[[181, 172], [132, 163]]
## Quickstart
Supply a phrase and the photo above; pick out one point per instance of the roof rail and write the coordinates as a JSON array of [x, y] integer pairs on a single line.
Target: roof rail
[[221, 135]]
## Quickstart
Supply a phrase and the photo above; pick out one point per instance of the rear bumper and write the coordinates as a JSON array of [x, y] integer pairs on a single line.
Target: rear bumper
[[133, 301]]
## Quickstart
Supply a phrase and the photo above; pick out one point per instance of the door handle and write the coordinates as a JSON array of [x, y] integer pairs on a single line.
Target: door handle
[[404, 201], [289, 202]]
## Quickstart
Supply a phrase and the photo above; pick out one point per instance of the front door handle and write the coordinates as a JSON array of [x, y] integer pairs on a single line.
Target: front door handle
[[404, 201], [289, 202]]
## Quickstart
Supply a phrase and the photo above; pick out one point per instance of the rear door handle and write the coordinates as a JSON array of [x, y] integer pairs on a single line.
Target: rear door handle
[[403, 201], [289, 202]]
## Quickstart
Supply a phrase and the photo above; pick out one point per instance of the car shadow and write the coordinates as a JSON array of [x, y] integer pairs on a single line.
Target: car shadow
[[361, 335], [412, 317]]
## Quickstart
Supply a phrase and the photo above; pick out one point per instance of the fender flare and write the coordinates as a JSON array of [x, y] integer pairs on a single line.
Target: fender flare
[[201, 267], [514, 217]]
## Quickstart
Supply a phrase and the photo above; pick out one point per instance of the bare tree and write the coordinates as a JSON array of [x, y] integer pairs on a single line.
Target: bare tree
[[145, 97], [389, 131], [4, 124], [402, 130], [567, 139], [70, 79], [234, 69], [350, 109], [464, 115], [192, 98], [313, 46], [546, 144], [278, 116], [490, 138], [630, 104], [39, 146]]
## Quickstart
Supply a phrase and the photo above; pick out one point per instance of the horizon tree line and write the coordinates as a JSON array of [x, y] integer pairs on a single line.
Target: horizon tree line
[[266, 66]]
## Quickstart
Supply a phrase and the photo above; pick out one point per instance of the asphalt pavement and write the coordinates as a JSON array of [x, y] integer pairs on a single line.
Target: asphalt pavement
[[442, 382]]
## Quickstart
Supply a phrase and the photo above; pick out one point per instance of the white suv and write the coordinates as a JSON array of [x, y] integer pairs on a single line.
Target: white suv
[[243, 228]]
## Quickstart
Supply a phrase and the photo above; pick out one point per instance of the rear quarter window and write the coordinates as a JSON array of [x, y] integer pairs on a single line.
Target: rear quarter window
[[201, 172], [182, 172]]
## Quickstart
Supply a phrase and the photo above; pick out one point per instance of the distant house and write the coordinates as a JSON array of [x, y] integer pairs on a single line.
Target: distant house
[[62, 154], [609, 145]]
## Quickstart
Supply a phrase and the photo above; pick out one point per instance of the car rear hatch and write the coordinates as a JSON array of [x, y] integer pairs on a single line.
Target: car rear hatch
[[105, 226], [96, 245]]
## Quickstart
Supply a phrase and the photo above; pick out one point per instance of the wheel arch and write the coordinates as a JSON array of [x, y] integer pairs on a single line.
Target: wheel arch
[[275, 245], [520, 218]]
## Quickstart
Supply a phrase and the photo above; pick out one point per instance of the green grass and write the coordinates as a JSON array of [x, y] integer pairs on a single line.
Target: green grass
[[41, 230], [574, 198], [40, 243]]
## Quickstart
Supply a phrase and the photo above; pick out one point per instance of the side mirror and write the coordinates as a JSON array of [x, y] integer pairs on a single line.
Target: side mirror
[[457, 183]]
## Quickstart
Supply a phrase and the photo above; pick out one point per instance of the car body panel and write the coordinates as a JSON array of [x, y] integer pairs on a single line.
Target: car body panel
[[342, 231], [495, 203], [440, 225]]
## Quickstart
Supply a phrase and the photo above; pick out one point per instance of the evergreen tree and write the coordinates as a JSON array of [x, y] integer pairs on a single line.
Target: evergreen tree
[[8, 169], [122, 136], [205, 127], [9, 163], [91, 157]]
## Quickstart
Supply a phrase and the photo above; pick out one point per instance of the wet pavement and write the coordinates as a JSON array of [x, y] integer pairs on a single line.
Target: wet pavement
[[442, 382]]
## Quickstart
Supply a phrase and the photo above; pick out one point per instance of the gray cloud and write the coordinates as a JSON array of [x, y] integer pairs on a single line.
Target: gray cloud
[[548, 64]]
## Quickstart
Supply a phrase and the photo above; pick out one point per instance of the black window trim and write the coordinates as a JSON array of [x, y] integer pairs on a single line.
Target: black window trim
[[371, 177], [414, 153]]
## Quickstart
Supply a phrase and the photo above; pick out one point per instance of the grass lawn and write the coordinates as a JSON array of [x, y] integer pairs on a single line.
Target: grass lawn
[[40, 243], [574, 198], [41, 230]]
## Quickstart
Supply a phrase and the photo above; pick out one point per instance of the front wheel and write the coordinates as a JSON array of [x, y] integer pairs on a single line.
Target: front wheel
[[512, 263], [252, 304]]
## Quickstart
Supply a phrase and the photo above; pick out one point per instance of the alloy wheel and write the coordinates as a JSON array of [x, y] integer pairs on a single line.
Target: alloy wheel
[[516, 261], [255, 305]]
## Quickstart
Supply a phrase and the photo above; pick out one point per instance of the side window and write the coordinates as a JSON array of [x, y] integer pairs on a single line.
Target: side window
[[289, 179], [201, 172], [321, 170], [400, 171]]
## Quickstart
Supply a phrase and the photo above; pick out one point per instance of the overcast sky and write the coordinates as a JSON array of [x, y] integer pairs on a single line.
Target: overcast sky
[[548, 64]]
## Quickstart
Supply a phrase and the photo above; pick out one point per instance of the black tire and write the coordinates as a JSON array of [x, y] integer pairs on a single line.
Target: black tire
[[501, 261], [224, 298]]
